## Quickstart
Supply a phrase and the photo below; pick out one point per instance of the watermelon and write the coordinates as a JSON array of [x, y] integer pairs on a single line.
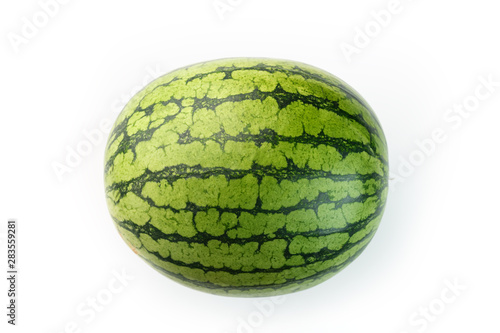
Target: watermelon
[[247, 176]]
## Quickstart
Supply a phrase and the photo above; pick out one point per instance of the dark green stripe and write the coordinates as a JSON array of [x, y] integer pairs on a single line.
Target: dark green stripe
[[311, 259], [209, 285], [282, 233], [228, 70], [343, 146], [182, 171], [282, 97], [303, 204]]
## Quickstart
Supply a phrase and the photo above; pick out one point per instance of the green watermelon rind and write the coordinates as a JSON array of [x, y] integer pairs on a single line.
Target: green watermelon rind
[[247, 176]]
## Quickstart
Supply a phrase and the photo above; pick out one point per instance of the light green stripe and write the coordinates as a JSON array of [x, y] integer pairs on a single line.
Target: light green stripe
[[215, 223], [158, 154], [222, 278]]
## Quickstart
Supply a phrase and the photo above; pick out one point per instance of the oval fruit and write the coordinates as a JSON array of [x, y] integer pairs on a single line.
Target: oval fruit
[[247, 177]]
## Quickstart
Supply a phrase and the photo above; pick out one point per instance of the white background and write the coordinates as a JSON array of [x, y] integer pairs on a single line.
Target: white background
[[441, 224]]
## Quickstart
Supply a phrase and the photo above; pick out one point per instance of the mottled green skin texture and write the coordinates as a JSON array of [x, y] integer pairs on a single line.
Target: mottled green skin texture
[[247, 177]]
